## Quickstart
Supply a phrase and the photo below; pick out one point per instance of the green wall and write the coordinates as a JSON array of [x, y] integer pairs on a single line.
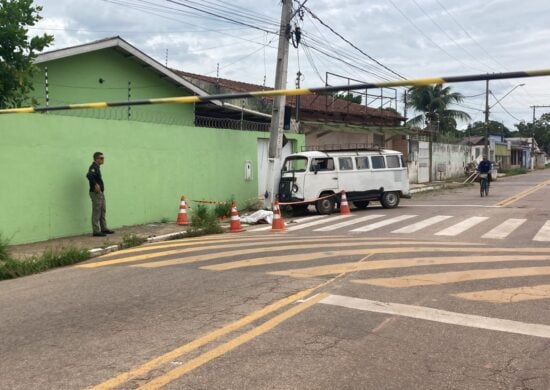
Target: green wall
[[76, 80], [44, 159]]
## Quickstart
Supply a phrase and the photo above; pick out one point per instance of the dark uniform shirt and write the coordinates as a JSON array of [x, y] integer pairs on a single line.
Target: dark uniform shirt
[[484, 166], [94, 177]]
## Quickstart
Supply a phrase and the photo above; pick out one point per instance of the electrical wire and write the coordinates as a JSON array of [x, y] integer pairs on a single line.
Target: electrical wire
[[434, 22], [426, 35], [351, 44]]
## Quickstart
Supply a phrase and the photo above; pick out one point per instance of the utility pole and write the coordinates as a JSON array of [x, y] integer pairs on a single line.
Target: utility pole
[[486, 147], [276, 134]]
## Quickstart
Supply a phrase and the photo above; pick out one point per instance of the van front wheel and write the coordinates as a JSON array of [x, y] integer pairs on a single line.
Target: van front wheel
[[325, 206], [389, 200]]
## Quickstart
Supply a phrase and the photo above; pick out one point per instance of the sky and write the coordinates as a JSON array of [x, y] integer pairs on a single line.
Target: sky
[[363, 40]]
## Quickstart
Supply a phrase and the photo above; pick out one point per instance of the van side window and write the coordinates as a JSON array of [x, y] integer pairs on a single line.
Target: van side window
[[362, 162], [322, 164], [345, 163], [378, 162], [393, 161]]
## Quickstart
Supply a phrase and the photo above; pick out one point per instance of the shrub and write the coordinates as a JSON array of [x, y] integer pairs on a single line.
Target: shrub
[[224, 210], [205, 221], [4, 251], [130, 240]]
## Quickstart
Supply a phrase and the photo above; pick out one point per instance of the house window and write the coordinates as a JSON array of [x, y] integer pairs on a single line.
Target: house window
[[378, 140], [393, 161], [362, 162], [378, 162], [345, 163]]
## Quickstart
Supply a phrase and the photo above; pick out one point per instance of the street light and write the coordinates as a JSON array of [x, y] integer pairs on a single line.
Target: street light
[[487, 109]]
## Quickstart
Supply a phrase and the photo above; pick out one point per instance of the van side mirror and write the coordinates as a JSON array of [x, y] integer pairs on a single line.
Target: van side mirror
[[315, 168]]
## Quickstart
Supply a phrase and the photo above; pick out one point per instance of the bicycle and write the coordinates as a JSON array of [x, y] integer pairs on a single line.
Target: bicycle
[[484, 184]]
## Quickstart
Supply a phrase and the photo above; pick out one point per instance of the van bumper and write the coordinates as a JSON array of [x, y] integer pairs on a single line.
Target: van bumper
[[406, 196]]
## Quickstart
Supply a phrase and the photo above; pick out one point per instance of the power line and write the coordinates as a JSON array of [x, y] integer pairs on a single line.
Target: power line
[[426, 36], [434, 22], [504, 108], [219, 16], [351, 44]]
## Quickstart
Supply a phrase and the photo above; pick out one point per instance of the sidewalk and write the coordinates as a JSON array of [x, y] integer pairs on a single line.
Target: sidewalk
[[152, 232]]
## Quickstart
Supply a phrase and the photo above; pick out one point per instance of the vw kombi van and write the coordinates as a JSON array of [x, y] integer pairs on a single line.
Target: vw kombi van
[[318, 177]]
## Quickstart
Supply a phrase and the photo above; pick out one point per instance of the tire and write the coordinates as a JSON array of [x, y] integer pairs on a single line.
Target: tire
[[361, 204], [389, 200], [325, 206]]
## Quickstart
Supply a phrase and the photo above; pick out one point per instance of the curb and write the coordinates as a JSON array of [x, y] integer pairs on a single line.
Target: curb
[[427, 188], [95, 252]]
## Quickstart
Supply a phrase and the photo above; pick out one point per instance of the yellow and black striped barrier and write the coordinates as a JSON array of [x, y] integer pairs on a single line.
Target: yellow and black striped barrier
[[287, 92]]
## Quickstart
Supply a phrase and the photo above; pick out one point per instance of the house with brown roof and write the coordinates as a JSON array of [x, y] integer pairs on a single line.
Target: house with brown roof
[[324, 119]]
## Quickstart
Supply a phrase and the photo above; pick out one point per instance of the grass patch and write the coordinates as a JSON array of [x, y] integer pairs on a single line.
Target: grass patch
[[513, 171], [4, 251], [10, 269], [131, 240]]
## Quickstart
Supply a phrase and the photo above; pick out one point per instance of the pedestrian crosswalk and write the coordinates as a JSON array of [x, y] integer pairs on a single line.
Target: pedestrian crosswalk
[[489, 228], [394, 262]]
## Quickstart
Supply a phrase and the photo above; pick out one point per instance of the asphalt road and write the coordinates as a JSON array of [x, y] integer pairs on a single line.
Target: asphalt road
[[448, 291]]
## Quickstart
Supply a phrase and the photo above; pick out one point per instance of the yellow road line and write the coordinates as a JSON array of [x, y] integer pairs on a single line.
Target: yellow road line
[[455, 277], [231, 238], [522, 194], [184, 243], [167, 357], [508, 295], [239, 252], [351, 252], [206, 357], [332, 269]]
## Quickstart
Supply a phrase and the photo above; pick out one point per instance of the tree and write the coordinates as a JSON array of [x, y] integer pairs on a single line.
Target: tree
[[541, 131], [17, 50], [478, 129], [349, 97], [433, 103]]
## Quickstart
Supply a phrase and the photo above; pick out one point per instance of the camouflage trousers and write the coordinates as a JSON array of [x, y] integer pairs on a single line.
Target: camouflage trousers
[[98, 212]]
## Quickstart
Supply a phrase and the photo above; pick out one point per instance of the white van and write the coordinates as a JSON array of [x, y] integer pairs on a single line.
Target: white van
[[365, 175]]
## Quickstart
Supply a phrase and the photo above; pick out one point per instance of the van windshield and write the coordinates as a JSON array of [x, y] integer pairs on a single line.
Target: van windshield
[[295, 164]]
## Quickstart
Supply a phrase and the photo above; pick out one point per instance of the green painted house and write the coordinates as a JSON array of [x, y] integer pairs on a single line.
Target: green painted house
[[154, 153]]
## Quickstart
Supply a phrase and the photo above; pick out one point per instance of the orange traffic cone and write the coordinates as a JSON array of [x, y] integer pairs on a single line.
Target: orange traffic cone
[[278, 224], [235, 225], [182, 215], [344, 207]]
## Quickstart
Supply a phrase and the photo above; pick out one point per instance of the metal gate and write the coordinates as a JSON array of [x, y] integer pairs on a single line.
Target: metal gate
[[423, 162]]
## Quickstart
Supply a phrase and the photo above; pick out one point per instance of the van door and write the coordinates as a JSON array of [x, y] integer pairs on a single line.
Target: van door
[[321, 177]]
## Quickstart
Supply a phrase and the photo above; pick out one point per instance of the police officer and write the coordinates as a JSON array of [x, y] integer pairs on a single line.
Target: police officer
[[99, 224]]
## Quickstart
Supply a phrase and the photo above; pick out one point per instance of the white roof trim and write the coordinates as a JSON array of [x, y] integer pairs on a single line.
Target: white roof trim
[[117, 42]]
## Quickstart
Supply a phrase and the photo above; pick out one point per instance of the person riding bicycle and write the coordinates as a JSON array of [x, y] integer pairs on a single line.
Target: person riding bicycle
[[485, 168]]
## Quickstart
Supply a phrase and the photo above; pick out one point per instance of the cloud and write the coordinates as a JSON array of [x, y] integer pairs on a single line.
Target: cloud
[[468, 37]]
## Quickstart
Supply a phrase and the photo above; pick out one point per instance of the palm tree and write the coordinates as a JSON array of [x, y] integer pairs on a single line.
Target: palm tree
[[433, 102]]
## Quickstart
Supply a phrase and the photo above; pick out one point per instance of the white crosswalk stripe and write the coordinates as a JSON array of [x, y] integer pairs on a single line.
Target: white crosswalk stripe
[[380, 224], [317, 222], [353, 221], [299, 220], [544, 233], [461, 227], [422, 224], [341, 222], [504, 229]]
